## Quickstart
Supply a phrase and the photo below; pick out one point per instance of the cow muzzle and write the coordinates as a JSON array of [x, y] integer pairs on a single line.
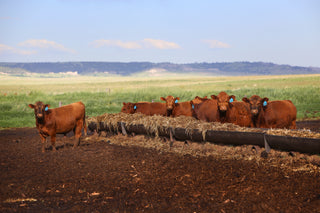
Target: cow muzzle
[[254, 111], [39, 115], [223, 108]]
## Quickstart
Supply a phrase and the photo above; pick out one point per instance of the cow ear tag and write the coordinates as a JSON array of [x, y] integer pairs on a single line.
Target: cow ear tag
[[192, 106], [265, 103], [176, 101], [46, 109], [135, 107], [231, 100]]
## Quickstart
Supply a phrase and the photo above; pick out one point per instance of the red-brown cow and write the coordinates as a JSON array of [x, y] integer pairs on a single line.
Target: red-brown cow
[[175, 109], [60, 120], [207, 110], [232, 111], [272, 114], [146, 108]]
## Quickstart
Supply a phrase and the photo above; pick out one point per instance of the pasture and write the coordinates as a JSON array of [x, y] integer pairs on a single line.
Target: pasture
[[106, 94]]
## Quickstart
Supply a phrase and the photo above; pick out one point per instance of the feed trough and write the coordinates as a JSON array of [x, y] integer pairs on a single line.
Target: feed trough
[[188, 128]]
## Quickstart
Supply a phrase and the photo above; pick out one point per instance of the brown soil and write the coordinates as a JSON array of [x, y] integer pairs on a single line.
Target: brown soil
[[135, 174]]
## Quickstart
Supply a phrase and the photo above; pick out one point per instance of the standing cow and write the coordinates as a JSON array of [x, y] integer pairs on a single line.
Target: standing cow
[[272, 114], [175, 109], [60, 120], [207, 110], [232, 111]]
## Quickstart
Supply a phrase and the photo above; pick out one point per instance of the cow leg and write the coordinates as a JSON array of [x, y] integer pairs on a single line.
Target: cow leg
[[53, 142], [43, 141], [293, 125], [77, 133]]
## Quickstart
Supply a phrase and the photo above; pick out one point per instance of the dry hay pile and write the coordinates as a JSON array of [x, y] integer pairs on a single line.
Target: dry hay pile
[[155, 124]]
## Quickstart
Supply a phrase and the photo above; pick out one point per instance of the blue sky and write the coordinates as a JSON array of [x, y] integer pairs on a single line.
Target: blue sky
[[177, 31]]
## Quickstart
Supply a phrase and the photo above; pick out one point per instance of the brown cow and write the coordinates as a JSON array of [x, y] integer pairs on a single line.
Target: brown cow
[[272, 114], [147, 108], [207, 110], [175, 109], [60, 120], [232, 111]]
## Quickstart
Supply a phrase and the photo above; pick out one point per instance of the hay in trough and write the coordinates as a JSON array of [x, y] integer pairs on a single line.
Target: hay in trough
[[155, 124], [300, 133]]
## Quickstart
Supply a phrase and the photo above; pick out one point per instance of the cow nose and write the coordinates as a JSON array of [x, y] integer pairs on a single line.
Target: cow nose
[[254, 111], [223, 108], [39, 115]]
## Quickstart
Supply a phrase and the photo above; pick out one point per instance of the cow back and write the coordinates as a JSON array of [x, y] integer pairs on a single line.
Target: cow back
[[149, 108], [279, 114], [183, 108], [65, 118], [207, 110]]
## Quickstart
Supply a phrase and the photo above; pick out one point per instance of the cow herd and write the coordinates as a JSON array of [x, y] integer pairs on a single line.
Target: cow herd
[[250, 112], [224, 108]]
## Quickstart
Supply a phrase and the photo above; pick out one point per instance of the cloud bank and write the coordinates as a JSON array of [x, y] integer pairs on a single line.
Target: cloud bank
[[5, 49], [145, 43], [44, 44], [216, 44]]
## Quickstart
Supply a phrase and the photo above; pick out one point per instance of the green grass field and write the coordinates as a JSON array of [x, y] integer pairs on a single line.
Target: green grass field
[[106, 94]]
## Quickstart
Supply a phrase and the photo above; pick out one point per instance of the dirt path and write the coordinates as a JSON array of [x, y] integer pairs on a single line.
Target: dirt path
[[134, 174]]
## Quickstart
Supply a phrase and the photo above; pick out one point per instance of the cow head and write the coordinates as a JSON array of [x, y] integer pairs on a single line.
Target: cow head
[[256, 104], [224, 101], [39, 110], [170, 102], [128, 108]]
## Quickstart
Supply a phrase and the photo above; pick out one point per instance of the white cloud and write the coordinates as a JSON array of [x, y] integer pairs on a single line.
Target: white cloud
[[5, 49], [160, 44], [45, 44], [145, 43], [116, 43], [216, 44]]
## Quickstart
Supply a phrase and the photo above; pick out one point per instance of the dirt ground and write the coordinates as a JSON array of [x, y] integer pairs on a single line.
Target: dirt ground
[[115, 173]]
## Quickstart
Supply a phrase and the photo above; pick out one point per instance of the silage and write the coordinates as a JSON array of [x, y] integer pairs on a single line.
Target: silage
[[156, 124]]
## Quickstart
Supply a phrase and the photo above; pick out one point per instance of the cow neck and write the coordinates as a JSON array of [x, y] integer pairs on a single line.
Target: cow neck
[[42, 120], [223, 115], [259, 119]]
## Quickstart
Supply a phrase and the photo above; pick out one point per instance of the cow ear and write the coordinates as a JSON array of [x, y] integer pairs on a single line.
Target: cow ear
[[264, 101], [192, 104], [213, 97], [162, 99], [245, 99], [31, 106], [232, 98], [177, 98], [123, 103], [46, 107]]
